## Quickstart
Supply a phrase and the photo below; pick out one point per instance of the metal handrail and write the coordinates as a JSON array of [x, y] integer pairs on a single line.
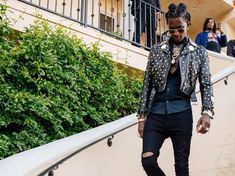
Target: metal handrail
[[221, 56], [222, 75], [43, 159]]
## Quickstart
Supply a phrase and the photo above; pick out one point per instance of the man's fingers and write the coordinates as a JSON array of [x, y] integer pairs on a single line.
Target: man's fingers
[[206, 122], [199, 128], [141, 128], [208, 125], [198, 123], [202, 129], [140, 133], [203, 125], [203, 132]]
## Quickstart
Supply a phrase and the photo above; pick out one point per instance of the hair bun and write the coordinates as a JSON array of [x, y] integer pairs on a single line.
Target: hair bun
[[172, 7], [182, 6], [176, 11]]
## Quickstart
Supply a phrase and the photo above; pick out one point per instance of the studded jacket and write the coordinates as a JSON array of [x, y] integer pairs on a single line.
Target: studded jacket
[[193, 63]]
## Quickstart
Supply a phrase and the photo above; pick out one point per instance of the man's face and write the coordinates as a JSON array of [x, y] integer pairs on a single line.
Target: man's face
[[177, 28], [210, 24]]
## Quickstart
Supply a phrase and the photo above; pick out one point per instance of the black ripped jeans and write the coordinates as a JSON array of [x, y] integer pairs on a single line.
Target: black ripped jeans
[[178, 127]]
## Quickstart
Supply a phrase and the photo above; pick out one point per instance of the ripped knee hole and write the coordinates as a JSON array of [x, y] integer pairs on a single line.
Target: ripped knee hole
[[147, 154]]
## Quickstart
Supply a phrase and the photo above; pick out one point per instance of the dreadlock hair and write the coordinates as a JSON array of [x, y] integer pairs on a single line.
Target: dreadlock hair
[[206, 22], [175, 11]]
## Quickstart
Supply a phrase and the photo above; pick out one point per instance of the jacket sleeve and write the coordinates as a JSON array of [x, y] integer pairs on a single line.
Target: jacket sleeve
[[206, 88], [198, 39], [223, 40], [147, 86], [135, 7], [158, 5], [230, 48]]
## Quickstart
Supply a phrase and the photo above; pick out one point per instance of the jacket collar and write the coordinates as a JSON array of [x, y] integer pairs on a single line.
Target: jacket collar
[[190, 47]]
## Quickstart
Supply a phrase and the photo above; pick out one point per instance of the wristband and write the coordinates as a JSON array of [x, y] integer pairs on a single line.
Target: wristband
[[209, 113], [141, 120]]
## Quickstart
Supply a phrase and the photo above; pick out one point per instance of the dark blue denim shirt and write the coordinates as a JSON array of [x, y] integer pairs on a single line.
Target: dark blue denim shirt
[[171, 100]]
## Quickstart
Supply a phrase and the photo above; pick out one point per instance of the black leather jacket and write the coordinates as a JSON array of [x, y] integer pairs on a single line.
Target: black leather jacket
[[231, 48], [193, 63]]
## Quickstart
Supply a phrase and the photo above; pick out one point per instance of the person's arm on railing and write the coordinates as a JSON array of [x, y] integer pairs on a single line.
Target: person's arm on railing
[[230, 48]]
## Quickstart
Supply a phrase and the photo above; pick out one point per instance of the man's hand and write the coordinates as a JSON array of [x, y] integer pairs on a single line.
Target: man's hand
[[219, 28], [158, 15], [141, 125], [203, 124]]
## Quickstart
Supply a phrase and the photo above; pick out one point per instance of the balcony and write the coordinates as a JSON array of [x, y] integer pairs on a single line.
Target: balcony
[[112, 18]]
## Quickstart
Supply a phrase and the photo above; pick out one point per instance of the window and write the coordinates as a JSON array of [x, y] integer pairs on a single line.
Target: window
[[109, 23]]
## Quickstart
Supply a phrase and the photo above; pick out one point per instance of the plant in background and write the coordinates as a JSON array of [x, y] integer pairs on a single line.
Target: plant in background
[[52, 85]]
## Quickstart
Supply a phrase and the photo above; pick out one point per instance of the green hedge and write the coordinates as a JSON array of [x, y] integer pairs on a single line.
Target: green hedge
[[52, 85]]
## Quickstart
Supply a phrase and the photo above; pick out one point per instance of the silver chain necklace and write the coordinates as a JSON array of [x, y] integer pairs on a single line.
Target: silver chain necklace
[[176, 52]]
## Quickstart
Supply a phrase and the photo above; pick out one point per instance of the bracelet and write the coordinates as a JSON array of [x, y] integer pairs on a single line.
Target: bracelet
[[141, 120], [209, 113]]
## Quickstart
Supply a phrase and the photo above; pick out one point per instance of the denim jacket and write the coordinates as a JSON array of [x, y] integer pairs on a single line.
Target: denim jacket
[[193, 63]]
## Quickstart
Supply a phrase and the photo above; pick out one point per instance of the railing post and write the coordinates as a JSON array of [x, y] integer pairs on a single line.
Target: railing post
[[99, 4], [82, 11], [92, 13], [63, 5], [86, 13], [124, 18], [51, 173]]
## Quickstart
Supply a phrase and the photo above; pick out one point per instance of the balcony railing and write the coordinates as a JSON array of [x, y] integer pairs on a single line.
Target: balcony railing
[[121, 19]]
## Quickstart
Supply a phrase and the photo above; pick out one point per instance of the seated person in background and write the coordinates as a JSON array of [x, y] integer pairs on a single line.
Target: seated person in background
[[209, 38], [231, 48], [146, 14], [218, 29]]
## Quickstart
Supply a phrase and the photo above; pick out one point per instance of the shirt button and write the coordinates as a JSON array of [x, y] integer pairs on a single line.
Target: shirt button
[[167, 102], [168, 89]]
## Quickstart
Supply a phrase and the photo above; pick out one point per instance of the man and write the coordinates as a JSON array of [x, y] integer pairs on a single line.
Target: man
[[231, 48], [170, 79], [146, 13], [209, 37]]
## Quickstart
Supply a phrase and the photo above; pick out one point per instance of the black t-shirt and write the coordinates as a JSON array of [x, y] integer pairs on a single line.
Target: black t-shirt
[[213, 46], [231, 48]]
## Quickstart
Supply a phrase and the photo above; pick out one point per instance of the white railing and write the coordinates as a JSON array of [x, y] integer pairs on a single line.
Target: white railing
[[39, 160], [221, 56]]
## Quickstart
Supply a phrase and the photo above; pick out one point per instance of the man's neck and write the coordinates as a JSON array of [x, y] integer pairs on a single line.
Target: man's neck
[[209, 30], [179, 43]]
